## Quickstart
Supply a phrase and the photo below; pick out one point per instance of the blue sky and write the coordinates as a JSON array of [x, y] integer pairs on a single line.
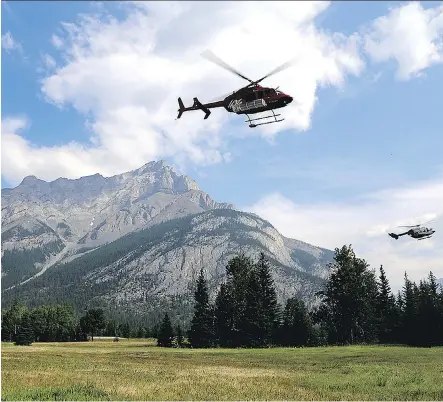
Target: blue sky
[[92, 87]]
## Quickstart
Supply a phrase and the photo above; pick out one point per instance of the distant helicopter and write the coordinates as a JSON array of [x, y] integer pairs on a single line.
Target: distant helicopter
[[418, 232], [250, 99]]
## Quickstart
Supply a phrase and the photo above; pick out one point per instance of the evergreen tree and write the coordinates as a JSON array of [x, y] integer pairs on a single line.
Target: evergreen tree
[[223, 316], [253, 324], [201, 333], [349, 300], [25, 334], [409, 312], [268, 313], [238, 273], [386, 310], [297, 325], [428, 313], [165, 333]]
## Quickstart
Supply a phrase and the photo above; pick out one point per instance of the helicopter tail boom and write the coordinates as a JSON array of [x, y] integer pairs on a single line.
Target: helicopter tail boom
[[198, 106]]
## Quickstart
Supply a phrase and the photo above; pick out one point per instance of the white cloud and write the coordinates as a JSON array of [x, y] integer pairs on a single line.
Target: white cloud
[[10, 44], [409, 34], [126, 76], [365, 224]]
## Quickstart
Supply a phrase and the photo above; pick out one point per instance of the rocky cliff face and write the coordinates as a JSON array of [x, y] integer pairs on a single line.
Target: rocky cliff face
[[142, 235]]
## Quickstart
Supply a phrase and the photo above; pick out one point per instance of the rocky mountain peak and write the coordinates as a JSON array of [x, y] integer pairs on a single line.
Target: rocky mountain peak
[[30, 181], [163, 177]]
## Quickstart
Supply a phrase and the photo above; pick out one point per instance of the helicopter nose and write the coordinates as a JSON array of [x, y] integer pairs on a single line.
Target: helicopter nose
[[289, 99]]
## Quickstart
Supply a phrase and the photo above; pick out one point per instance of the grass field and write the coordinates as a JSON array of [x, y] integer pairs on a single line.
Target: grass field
[[137, 370]]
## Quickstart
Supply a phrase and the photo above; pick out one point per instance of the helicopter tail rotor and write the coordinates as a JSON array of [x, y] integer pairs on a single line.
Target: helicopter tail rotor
[[181, 108], [393, 235]]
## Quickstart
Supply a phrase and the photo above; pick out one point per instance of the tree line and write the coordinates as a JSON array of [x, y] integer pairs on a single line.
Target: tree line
[[355, 307], [60, 323]]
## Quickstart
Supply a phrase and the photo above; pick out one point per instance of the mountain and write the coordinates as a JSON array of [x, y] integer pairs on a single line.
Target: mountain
[[136, 241]]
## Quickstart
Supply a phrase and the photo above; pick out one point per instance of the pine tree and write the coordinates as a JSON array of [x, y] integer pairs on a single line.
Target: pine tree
[[201, 333], [409, 312], [165, 333]]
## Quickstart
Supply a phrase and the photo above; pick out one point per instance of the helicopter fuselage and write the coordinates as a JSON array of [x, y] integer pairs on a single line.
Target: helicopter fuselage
[[256, 100], [418, 233]]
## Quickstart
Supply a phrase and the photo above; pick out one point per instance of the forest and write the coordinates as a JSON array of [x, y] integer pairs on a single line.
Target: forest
[[356, 306]]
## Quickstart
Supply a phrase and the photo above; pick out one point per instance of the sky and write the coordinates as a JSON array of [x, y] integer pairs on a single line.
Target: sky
[[92, 87]]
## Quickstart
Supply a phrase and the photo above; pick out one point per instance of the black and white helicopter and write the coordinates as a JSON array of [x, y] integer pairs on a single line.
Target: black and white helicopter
[[418, 232]]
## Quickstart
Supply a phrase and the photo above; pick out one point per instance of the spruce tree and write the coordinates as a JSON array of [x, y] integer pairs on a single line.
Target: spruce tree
[[253, 325], [386, 310], [409, 312], [223, 317], [348, 301], [297, 325], [201, 333], [267, 296], [238, 272], [428, 312], [165, 333]]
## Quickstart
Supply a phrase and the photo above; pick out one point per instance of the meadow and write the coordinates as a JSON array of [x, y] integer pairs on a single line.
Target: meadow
[[138, 370]]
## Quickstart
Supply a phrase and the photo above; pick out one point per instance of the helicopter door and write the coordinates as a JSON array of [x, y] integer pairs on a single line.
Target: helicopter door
[[250, 97]]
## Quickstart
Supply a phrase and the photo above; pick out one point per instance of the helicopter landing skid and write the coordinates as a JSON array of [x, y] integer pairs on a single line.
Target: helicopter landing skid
[[275, 120], [423, 238]]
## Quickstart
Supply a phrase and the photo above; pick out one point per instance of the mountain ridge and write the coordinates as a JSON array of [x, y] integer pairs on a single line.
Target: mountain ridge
[[161, 226]]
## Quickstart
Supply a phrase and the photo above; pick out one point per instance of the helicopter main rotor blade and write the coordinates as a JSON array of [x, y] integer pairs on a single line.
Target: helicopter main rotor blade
[[416, 226], [208, 55], [284, 66]]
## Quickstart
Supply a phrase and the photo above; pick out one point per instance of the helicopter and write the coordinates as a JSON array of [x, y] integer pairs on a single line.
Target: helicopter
[[250, 99], [418, 232]]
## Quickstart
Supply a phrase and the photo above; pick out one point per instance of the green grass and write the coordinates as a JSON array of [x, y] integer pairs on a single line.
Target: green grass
[[137, 370]]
